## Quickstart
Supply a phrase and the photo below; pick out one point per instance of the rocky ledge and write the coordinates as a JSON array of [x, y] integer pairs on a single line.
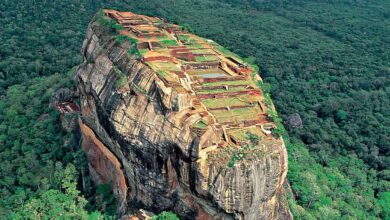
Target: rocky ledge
[[175, 122]]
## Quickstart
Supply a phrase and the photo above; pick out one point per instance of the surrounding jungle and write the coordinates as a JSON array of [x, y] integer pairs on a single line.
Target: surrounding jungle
[[328, 61]]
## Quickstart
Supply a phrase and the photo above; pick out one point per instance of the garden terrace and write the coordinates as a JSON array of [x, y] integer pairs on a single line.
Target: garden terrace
[[225, 87], [240, 136], [237, 115], [219, 94], [203, 65], [221, 79], [238, 100], [207, 73], [222, 89]]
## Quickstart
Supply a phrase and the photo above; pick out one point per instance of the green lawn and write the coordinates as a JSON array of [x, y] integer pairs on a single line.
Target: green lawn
[[215, 91], [229, 101], [169, 42], [228, 83], [183, 37], [236, 115], [206, 58]]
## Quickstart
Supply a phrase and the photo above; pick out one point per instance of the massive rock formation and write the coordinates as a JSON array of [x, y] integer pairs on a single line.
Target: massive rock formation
[[174, 122]]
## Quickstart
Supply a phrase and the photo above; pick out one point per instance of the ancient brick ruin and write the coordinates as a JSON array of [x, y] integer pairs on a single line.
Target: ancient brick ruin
[[221, 86]]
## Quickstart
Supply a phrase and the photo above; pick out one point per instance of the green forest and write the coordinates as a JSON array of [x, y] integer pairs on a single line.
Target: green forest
[[328, 61]]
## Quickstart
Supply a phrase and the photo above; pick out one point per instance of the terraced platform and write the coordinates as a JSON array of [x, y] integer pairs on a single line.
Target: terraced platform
[[222, 87]]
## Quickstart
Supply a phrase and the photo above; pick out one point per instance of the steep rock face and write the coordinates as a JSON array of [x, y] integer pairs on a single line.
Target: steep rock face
[[138, 137]]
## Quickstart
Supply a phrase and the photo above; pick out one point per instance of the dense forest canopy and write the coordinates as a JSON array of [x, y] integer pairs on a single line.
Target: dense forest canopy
[[328, 61]]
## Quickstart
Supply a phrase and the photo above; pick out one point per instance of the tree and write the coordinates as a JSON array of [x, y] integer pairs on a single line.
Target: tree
[[384, 203], [58, 204], [341, 115]]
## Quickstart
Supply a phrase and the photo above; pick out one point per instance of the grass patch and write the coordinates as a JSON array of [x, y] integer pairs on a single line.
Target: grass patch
[[167, 66], [202, 51], [134, 51], [166, 216], [120, 38], [162, 73], [227, 53], [229, 101], [168, 76], [143, 51], [217, 103], [236, 115], [107, 22], [200, 124], [227, 83], [215, 91], [193, 44], [182, 37], [122, 78], [169, 42]]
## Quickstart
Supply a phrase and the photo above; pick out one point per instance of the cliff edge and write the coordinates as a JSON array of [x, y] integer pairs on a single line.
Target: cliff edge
[[176, 122]]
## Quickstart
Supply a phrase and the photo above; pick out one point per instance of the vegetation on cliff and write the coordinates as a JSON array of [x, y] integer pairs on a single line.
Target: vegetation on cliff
[[165, 216], [41, 163], [325, 60], [322, 69]]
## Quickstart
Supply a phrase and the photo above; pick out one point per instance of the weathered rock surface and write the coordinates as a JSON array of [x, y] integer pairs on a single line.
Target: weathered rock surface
[[133, 139]]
